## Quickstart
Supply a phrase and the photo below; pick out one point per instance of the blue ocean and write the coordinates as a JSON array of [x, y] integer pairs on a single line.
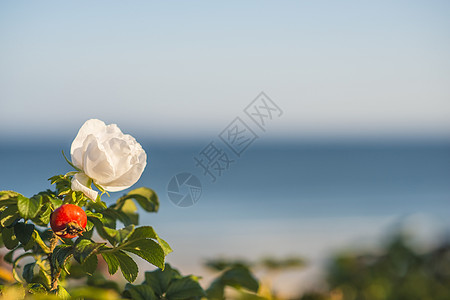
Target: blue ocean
[[306, 198]]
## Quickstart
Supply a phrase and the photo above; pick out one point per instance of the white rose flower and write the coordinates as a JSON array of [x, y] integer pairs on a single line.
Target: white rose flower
[[111, 159]]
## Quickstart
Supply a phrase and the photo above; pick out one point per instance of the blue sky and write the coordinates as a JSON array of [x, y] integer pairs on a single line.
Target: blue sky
[[187, 68]]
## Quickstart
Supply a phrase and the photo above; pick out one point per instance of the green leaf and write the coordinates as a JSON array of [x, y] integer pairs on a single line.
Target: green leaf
[[147, 232], [56, 202], [84, 248], [125, 217], [60, 255], [94, 215], [148, 250], [240, 277], [36, 288], [159, 280], [184, 288], [43, 217], [30, 244], [14, 265], [146, 198], [90, 264], [99, 226], [4, 195], [29, 207], [111, 261], [62, 293], [118, 236], [9, 216], [9, 256], [23, 232], [216, 290], [139, 292], [94, 293], [28, 272], [37, 238], [127, 265], [128, 213], [9, 238], [8, 198], [89, 226]]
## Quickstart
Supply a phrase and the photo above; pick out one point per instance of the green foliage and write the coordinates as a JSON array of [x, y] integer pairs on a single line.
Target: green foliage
[[146, 198], [42, 260], [398, 273], [165, 284], [238, 277]]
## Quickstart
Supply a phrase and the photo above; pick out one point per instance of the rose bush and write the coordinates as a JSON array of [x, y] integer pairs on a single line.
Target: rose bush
[[71, 259], [113, 161]]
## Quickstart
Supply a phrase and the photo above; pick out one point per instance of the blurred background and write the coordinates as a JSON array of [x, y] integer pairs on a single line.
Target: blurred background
[[361, 151]]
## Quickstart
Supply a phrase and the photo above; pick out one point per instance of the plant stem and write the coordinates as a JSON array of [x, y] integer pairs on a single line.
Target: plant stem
[[53, 273]]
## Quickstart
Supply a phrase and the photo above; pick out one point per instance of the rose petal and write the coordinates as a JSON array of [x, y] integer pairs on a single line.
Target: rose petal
[[92, 126], [130, 177], [80, 182], [96, 164]]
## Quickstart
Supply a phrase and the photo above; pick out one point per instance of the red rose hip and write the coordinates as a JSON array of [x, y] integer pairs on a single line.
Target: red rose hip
[[68, 221]]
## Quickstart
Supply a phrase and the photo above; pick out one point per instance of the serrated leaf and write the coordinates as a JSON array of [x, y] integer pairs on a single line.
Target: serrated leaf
[[60, 255], [148, 250], [29, 207], [100, 227], [147, 199], [36, 288], [159, 280], [8, 198], [111, 261], [28, 272], [90, 264], [118, 236], [84, 248], [139, 292], [127, 265], [147, 232], [30, 244], [89, 226], [94, 215], [56, 202], [8, 194], [184, 288], [9, 238], [9, 215], [55, 178], [23, 232], [43, 217], [62, 293]]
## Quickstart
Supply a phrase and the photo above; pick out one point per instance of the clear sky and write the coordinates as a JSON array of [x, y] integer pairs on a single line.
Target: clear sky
[[184, 68]]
